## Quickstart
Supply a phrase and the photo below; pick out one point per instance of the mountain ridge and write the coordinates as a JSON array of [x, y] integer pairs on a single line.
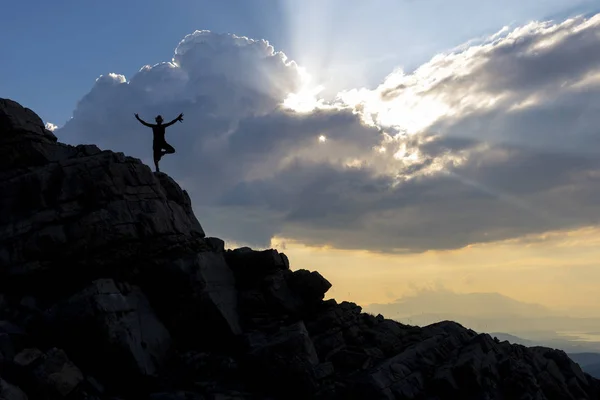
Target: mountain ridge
[[110, 289]]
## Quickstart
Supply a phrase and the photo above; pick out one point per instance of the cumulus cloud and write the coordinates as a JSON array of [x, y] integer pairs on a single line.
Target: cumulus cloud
[[490, 141]]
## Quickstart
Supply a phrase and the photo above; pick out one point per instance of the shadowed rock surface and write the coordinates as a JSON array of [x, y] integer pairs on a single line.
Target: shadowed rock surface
[[109, 289]]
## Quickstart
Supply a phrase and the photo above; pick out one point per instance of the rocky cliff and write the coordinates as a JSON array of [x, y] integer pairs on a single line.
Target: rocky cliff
[[109, 289]]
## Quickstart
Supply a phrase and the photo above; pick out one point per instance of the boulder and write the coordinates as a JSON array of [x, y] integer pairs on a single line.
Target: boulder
[[210, 366], [215, 244], [309, 286], [111, 330], [196, 298], [279, 295], [324, 370], [232, 395], [179, 395], [27, 357], [331, 315], [16, 119], [50, 374], [251, 265], [285, 363], [12, 340], [179, 197], [354, 359], [11, 392], [57, 373]]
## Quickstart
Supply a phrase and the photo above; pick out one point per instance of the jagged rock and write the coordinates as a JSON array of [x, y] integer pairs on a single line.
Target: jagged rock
[[11, 392], [12, 340], [332, 315], [353, 359], [458, 363], [196, 298], [50, 374], [178, 196], [215, 244], [210, 366], [15, 119], [231, 395], [252, 301], [324, 370], [278, 293], [111, 329], [250, 265], [310, 286], [93, 385], [391, 337], [329, 343], [57, 373], [27, 357], [68, 213], [286, 362], [180, 395], [7, 348]]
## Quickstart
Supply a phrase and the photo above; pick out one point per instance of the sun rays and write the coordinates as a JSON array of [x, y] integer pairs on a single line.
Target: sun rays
[[306, 98]]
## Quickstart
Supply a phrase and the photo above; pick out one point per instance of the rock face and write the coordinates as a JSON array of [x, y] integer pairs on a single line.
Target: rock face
[[72, 211], [113, 326], [109, 289]]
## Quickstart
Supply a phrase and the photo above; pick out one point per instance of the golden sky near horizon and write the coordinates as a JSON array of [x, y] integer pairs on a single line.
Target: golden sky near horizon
[[557, 269]]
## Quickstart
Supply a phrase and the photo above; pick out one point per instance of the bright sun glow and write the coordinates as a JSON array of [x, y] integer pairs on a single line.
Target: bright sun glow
[[305, 100], [322, 139]]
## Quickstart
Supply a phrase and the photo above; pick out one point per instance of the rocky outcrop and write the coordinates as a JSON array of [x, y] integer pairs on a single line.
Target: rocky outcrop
[[111, 326], [70, 211], [109, 289]]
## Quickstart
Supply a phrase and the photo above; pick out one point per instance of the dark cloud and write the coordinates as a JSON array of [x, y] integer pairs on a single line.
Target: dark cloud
[[479, 202], [563, 123], [475, 171]]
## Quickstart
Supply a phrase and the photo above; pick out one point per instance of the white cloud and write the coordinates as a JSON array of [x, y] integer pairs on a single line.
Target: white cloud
[[518, 67], [50, 126], [491, 141]]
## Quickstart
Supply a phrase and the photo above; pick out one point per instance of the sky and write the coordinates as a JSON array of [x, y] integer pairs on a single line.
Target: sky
[[395, 146]]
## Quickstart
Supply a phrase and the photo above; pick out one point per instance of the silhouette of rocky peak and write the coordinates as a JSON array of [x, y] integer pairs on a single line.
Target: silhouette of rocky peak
[[109, 289]]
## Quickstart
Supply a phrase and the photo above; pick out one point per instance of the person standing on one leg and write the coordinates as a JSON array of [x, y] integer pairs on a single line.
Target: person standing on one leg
[[159, 144]]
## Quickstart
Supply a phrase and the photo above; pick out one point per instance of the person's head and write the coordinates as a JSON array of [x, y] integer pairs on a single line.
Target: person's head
[[158, 119]]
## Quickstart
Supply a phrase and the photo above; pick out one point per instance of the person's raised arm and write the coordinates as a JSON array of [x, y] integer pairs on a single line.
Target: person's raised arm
[[142, 121], [179, 118]]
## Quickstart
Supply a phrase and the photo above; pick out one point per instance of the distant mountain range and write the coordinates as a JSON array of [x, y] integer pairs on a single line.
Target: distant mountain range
[[488, 312], [466, 304], [505, 318]]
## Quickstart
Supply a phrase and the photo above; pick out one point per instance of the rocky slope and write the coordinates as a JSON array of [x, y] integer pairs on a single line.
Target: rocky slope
[[109, 289]]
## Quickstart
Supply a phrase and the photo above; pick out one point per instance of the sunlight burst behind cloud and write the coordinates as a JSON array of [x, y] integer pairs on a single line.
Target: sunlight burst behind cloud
[[482, 143]]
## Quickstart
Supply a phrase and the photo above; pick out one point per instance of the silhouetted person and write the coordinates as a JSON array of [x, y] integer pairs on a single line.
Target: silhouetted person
[[159, 144]]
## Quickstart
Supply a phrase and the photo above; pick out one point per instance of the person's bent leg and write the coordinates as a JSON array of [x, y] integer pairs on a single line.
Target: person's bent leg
[[168, 149]]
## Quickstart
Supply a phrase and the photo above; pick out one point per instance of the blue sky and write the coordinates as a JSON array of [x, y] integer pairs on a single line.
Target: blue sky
[[58, 48]]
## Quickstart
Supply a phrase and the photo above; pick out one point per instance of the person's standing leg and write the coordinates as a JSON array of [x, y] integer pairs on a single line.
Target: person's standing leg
[[157, 157]]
